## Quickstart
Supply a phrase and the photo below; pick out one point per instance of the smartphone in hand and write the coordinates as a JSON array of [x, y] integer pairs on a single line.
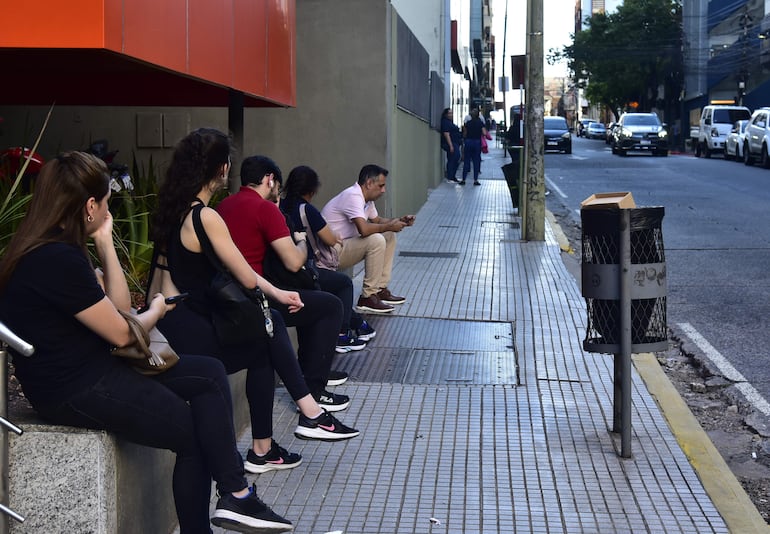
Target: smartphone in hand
[[176, 298]]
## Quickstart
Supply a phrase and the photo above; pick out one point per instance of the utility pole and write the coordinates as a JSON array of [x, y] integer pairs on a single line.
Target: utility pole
[[534, 216], [505, 83]]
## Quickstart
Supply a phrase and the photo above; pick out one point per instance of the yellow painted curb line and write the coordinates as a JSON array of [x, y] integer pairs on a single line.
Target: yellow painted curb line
[[718, 480], [561, 238]]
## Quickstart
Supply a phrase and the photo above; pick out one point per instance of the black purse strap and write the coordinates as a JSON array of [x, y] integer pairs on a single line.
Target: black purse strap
[[206, 246], [308, 231]]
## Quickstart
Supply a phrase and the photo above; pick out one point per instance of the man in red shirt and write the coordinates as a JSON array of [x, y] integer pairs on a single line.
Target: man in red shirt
[[256, 224]]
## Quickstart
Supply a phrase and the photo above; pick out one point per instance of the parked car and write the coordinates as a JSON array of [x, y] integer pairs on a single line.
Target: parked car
[[756, 144], [735, 141], [596, 130], [582, 125], [715, 123], [556, 135], [640, 131]]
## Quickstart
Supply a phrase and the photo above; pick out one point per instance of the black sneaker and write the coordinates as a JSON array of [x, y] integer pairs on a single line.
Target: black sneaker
[[325, 427], [277, 459], [348, 343], [337, 378], [365, 332], [331, 402], [249, 514]]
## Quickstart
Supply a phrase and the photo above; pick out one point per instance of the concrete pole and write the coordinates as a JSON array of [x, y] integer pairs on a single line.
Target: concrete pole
[[534, 222]]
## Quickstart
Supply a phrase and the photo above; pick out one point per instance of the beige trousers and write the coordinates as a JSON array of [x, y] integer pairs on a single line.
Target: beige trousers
[[377, 251]]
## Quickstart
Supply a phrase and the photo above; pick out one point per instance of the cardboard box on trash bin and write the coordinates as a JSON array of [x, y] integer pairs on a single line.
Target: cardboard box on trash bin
[[622, 199]]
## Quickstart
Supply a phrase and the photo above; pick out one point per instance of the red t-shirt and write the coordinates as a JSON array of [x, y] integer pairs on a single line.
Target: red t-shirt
[[254, 223]]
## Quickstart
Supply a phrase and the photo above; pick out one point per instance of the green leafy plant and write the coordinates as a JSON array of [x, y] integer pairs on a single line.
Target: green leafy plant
[[15, 200], [131, 210]]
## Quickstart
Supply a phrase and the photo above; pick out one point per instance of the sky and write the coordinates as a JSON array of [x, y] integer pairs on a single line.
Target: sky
[[558, 26]]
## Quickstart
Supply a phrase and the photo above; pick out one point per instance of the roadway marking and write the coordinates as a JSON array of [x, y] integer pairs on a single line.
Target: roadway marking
[[726, 368], [573, 156], [555, 187]]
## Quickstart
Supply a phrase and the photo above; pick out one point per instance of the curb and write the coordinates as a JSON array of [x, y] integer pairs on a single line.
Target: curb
[[718, 480], [561, 237]]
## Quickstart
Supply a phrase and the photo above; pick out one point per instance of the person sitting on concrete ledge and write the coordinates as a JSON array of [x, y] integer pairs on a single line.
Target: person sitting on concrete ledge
[[70, 315], [257, 226], [366, 236], [302, 185]]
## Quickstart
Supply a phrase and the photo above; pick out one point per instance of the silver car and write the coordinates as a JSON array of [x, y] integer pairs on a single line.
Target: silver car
[[735, 140]]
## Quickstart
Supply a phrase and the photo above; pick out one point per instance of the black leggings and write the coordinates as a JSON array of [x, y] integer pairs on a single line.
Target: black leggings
[[318, 323], [155, 412], [191, 332]]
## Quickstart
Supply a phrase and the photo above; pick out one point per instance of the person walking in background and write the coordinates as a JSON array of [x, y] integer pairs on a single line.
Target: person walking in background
[[366, 236], [451, 143], [70, 315], [257, 225], [199, 168], [301, 186], [473, 130]]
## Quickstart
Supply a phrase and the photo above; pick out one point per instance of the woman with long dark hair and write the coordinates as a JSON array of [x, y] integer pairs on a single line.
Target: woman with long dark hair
[[199, 168], [69, 312]]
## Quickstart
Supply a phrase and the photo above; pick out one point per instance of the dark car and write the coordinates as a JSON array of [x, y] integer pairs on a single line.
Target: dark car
[[639, 131], [556, 134]]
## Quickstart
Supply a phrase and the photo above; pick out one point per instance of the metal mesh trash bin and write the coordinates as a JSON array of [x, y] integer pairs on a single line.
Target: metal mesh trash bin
[[601, 279]]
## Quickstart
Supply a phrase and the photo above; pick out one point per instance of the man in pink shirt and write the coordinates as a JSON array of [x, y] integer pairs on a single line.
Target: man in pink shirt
[[366, 236]]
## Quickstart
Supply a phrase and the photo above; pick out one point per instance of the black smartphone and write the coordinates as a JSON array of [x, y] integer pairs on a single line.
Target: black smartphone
[[176, 298]]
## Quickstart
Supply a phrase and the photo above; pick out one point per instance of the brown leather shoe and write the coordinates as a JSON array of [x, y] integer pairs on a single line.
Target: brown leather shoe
[[373, 304], [389, 298]]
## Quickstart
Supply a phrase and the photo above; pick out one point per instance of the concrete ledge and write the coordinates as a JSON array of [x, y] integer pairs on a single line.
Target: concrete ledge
[[65, 479]]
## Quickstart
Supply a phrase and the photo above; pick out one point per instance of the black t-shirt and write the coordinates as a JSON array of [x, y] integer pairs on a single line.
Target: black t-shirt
[[48, 287], [473, 129]]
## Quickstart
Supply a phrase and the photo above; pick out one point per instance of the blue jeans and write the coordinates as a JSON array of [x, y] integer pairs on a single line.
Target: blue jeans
[[452, 162], [154, 411], [472, 155]]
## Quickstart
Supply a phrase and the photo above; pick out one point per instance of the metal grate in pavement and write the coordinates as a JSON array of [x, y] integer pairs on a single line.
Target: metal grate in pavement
[[503, 225], [422, 366], [410, 350], [415, 254]]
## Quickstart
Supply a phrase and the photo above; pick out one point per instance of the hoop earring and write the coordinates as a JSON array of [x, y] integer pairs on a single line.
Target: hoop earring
[[90, 218]]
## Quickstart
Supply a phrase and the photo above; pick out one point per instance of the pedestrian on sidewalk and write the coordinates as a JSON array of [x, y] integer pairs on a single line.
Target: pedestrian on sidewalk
[[70, 315], [258, 228], [366, 236], [199, 167], [451, 143], [301, 186], [473, 130]]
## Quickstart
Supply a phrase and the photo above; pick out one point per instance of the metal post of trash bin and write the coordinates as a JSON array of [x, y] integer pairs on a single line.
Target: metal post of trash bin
[[624, 283], [623, 360]]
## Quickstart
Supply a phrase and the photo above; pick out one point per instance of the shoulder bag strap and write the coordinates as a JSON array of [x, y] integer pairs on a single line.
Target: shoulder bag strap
[[206, 247], [309, 233]]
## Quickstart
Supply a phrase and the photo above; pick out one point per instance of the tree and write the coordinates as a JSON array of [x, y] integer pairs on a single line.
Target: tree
[[622, 59]]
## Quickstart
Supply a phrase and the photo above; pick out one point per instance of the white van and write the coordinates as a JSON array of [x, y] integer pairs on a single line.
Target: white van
[[715, 124]]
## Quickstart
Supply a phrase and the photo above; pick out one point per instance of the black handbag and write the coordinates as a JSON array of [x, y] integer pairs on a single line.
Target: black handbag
[[276, 272], [240, 315]]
